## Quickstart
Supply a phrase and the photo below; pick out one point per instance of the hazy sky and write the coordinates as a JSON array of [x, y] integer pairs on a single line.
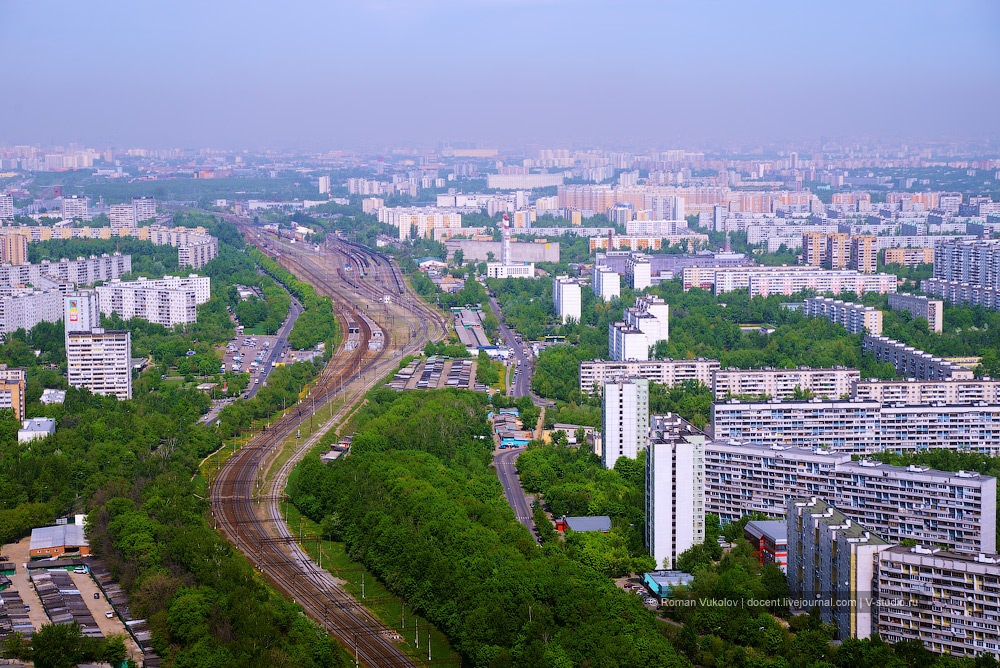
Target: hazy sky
[[333, 73]]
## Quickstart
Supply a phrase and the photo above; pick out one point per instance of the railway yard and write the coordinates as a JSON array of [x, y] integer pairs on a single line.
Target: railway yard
[[381, 319]]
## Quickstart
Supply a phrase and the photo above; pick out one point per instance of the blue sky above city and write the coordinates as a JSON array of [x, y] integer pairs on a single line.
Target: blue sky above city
[[318, 75]]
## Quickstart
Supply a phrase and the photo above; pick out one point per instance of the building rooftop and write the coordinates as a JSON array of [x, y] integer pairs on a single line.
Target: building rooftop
[[58, 536], [597, 523], [42, 424], [833, 518], [776, 530]]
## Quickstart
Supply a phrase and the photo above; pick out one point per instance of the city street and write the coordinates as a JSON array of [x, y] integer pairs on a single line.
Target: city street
[[516, 496]]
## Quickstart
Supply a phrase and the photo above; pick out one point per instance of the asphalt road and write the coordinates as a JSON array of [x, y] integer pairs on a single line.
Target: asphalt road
[[522, 386], [294, 309], [516, 498]]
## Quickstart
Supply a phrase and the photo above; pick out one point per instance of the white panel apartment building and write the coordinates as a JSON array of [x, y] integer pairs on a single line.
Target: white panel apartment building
[[121, 215], [424, 219], [74, 207], [80, 311], [606, 283], [567, 298], [25, 308], [913, 391], [820, 280], [100, 361], [624, 419], [82, 271], [675, 494], [638, 271], [912, 362], [962, 293], [860, 427], [832, 383], [651, 315], [952, 600], [6, 206], [667, 372], [855, 318], [627, 343], [957, 510], [168, 301], [931, 310]]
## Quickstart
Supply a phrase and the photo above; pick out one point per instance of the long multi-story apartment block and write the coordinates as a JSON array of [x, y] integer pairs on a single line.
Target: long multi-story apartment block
[[931, 310], [912, 391], [675, 491], [948, 601], [773, 383], [831, 280], [842, 426], [962, 293], [168, 301], [419, 221], [954, 509], [667, 372], [856, 318], [911, 362], [100, 361], [522, 181], [908, 257], [973, 262], [566, 298], [860, 427], [831, 560], [23, 308]]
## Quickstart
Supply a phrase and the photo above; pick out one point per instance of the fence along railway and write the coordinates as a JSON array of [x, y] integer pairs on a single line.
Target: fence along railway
[[237, 492]]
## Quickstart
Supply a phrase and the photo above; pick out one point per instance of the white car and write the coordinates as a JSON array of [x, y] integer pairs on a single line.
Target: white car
[[109, 614]]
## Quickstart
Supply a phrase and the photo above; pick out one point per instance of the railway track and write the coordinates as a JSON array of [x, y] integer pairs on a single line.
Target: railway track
[[247, 510]]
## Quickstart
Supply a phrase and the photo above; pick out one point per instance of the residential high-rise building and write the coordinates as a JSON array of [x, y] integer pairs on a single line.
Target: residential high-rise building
[[831, 560], [627, 343], [864, 253], [593, 374], [953, 509], [813, 248], [838, 250], [74, 207], [13, 248], [675, 491], [6, 206], [168, 301], [144, 209], [856, 318], [650, 315], [912, 391], [324, 185], [945, 600], [606, 283], [122, 215], [12, 384], [624, 419], [81, 311], [637, 271], [931, 310], [419, 221], [100, 361], [566, 298]]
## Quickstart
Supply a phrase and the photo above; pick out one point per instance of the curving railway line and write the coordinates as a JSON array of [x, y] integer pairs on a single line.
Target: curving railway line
[[247, 511]]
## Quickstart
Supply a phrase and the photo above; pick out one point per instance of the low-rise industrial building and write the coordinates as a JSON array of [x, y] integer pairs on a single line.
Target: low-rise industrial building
[[769, 539], [53, 542], [36, 428]]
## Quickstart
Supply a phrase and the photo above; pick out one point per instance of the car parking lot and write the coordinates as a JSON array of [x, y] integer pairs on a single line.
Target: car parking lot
[[250, 354]]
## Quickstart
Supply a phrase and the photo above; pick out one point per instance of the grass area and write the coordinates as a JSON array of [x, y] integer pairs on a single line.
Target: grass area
[[383, 604]]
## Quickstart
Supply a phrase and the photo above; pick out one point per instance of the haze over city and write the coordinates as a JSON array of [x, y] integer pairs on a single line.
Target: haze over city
[[319, 75]]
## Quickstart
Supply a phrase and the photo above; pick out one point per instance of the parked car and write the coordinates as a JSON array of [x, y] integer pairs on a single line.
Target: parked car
[[97, 595], [109, 614]]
